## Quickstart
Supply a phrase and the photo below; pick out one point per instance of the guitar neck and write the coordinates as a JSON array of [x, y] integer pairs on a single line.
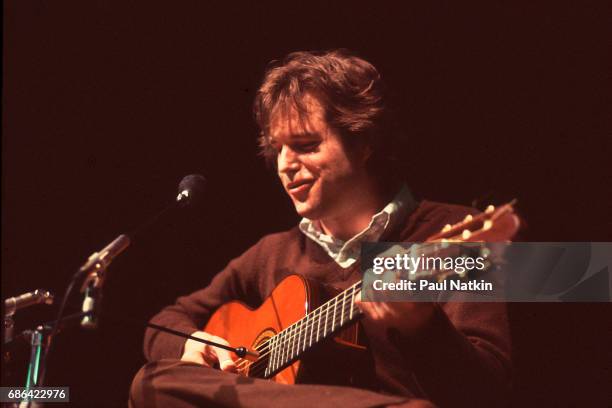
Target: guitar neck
[[289, 344]]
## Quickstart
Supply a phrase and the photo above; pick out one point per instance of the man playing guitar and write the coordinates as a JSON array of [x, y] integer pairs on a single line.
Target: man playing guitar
[[326, 129]]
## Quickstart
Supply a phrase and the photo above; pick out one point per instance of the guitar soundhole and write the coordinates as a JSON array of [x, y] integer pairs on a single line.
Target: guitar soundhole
[[258, 368]]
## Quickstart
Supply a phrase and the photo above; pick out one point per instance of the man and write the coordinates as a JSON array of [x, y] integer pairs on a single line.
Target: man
[[325, 127]]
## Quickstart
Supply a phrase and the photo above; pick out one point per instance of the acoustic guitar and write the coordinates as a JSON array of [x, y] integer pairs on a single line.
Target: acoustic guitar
[[289, 323]]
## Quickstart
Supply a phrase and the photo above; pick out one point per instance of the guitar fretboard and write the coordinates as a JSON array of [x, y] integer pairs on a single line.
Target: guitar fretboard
[[287, 346]]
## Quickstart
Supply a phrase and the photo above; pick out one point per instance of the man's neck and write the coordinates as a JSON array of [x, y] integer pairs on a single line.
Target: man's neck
[[357, 214]]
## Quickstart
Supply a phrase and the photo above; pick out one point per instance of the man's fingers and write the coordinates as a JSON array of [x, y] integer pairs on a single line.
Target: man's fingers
[[376, 311], [194, 357], [208, 355], [226, 363], [365, 307], [357, 297], [225, 360], [371, 309]]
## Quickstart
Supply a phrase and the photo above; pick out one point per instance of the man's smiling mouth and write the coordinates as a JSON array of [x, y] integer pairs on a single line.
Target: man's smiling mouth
[[299, 186]]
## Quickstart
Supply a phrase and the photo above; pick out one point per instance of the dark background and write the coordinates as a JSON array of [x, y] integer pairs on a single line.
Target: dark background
[[107, 105]]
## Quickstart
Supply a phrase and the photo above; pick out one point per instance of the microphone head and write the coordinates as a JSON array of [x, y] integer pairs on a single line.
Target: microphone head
[[191, 189]]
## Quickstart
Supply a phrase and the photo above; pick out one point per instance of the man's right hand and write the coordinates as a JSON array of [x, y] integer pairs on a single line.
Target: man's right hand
[[206, 354]]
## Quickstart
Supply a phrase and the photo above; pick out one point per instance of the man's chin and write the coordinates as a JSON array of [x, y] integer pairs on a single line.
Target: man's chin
[[306, 211]]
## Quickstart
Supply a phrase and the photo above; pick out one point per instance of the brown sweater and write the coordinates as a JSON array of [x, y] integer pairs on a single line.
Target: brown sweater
[[461, 357]]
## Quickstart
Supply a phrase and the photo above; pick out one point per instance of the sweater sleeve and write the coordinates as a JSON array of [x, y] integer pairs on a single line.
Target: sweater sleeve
[[461, 358], [190, 313]]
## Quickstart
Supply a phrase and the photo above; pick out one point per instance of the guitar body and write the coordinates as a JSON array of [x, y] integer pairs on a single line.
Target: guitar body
[[290, 301]]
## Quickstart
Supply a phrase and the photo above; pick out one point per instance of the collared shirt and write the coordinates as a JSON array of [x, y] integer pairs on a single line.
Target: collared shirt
[[347, 253]]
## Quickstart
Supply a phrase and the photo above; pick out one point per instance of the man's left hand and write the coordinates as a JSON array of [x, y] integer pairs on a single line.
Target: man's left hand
[[406, 317]]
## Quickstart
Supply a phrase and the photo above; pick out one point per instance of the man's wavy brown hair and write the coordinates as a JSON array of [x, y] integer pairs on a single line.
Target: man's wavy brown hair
[[349, 89]]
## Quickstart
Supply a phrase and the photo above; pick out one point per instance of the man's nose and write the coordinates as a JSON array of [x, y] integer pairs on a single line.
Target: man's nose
[[288, 161]]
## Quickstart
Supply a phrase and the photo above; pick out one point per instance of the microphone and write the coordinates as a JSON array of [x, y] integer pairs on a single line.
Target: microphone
[[11, 305], [101, 260], [94, 268], [190, 191]]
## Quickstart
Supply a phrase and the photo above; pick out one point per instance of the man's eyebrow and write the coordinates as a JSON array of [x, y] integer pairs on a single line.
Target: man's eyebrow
[[304, 135], [297, 136]]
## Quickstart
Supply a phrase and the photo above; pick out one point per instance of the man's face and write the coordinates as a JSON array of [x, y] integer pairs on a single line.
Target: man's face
[[321, 177]]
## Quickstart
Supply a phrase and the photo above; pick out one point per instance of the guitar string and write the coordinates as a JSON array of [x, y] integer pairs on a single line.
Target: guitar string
[[286, 345], [285, 337], [315, 314], [333, 303], [259, 368]]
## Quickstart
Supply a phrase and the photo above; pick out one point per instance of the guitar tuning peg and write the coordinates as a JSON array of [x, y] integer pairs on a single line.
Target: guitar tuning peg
[[490, 209], [487, 225], [446, 228], [466, 234], [485, 252], [468, 218]]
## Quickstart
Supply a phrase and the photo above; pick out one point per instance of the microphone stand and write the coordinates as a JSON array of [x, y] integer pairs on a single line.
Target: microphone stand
[[39, 340], [9, 326]]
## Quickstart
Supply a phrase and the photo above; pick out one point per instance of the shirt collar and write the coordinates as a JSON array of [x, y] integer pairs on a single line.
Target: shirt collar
[[346, 253]]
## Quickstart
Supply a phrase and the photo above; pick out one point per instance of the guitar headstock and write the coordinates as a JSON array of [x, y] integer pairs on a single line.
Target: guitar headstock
[[495, 224], [473, 236]]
